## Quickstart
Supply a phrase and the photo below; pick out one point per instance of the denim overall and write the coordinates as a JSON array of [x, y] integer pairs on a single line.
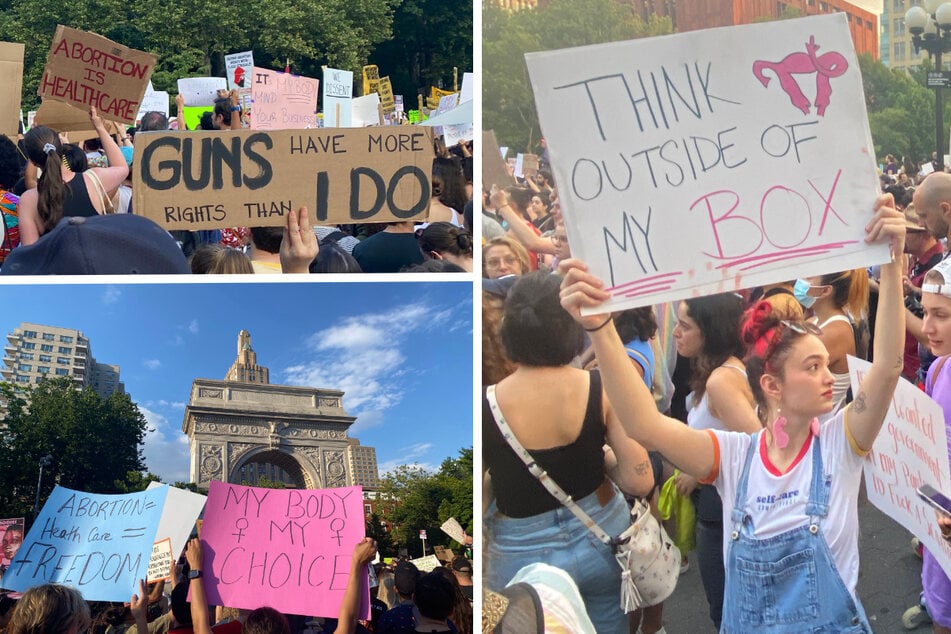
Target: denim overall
[[786, 584]]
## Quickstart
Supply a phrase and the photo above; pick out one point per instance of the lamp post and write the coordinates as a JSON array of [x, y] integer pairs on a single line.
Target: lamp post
[[930, 29], [45, 461]]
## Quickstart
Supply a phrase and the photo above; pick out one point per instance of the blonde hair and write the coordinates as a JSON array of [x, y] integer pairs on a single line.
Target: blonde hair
[[50, 609], [514, 246]]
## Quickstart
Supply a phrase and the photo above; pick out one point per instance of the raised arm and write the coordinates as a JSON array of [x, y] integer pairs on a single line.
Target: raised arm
[[867, 412], [199, 604], [139, 606], [117, 171], [690, 450], [363, 553], [518, 228]]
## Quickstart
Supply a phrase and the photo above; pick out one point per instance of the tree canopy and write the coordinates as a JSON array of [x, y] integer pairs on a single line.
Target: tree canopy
[[95, 443], [508, 104]]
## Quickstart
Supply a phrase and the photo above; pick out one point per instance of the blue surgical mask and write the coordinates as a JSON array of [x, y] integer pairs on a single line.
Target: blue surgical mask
[[801, 291]]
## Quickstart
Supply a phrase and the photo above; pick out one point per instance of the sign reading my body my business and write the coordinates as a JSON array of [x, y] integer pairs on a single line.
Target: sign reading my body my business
[[713, 160]]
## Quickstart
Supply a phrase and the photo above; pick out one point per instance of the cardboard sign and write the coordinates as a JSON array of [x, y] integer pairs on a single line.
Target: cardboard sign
[[289, 549], [248, 178], [338, 96], [427, 563], [160, 563], [911, 450], [84, 69], [386, 95], [494, 170], [721, 131], [201, 91], [62, 117], [238, 67], [99, 544], [371, 79], [11, 69], [366, 111], [282, 101]]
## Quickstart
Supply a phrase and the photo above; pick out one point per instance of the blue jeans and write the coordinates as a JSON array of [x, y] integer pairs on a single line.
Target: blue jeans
[[559, 539]]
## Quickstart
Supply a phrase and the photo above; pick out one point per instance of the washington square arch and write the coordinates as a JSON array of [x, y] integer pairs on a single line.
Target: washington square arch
[[245, 429]]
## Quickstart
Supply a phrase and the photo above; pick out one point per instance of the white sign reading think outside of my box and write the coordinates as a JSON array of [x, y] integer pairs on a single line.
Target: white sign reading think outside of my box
[[711, 161]]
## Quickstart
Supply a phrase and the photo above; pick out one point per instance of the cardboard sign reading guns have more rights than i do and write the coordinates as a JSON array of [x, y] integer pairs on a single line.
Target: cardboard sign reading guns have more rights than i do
[[245, 178]]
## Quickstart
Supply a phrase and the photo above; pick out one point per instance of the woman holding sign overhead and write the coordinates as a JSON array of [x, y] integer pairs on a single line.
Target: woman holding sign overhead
[[936, 326], [60, 192], [789, 491]]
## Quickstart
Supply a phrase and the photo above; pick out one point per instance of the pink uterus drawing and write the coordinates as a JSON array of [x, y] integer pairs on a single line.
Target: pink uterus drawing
[[825, 67]]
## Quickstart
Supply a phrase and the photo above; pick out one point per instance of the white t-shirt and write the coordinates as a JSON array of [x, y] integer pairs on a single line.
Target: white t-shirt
[[777, 503]]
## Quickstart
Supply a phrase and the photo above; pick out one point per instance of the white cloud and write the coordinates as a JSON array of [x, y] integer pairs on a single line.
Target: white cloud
[[193, 327], [409, 456], [152, 364], [166, 448], [111, 295]]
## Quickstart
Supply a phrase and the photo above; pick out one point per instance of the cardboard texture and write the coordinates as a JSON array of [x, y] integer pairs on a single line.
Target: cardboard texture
[[11, 67], [494, 170], [246, 178], [63, 117], [85, 69]]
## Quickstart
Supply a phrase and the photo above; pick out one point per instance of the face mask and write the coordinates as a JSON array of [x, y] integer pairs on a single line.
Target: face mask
[[801, 290]]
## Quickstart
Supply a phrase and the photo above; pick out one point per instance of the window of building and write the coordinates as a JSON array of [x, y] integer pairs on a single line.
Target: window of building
[[899, 49], [898, 5], [48, 336], [62, 372], [823, 6], [65, 339], [62, 360], [43, 369], [898, 26], [24, 367], [29, 345], [45, 358], [65, 350], [26, 356], [868, 25], [29, 334], [368, 509], [45, 347]]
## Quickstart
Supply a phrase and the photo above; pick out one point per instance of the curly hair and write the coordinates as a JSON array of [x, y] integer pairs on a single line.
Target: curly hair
[[636, 323], [50, 609], [495, 364]]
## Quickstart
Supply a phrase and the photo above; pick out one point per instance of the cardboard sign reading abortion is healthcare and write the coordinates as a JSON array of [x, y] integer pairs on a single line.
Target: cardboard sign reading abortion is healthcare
[[911, 450], [713, 160], [84, 69], [97, 543], [208, 180], [286, 548], [282, 101]]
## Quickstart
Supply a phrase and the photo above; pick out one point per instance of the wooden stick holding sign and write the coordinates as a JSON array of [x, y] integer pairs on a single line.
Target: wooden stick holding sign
[[246, 178], [684, 173]]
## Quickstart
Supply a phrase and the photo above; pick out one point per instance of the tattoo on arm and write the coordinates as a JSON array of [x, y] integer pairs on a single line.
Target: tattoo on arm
[[859, 405], [642, 468], [899, 362]]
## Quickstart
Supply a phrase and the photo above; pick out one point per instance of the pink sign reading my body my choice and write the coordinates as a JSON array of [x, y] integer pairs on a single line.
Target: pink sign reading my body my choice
[[288, 549], [282, 101]]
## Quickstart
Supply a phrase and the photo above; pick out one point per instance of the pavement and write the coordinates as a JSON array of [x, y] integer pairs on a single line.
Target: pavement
[[889, 581]]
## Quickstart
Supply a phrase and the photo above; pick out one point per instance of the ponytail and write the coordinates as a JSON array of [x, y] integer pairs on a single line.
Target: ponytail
[[45, 150]]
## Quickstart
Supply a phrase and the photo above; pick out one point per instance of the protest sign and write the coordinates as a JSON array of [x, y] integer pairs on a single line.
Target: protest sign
[[11, 538], [11, 67], [286, 548], [97, 543], [153, 101], [282, 101], [452, 528], [494, 170], [84, 69], [911, 450], [519, 161], [247, 178], [759, 148], [63, 117], [366, 111], [201, 91], [238, 69], [371, 79], [181, 510], [427, 563], [192, 115], [338, 95], [160, 562], [386, 95]]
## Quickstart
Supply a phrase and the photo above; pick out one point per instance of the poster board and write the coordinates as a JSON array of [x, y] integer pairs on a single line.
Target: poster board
[[366, 111], [181, 510], [192, 115], [282, 101], [153, 101], [454, 529], [289, 549], [386, 96], [12, 530], [238, 69], [85, 69], [427, 563], [494, 170], [11, 68], [774, 186], [371, 79], [201, 91], [248, 178], [99, 544], [161, 561], [911, 450], [337, 98]]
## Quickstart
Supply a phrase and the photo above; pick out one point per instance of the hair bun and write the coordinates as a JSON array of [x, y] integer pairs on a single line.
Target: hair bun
[[758, 320]]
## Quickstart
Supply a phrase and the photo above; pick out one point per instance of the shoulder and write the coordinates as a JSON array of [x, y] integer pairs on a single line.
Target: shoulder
[[728, 378]]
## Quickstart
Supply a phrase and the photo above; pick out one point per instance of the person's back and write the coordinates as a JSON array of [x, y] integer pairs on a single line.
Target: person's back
[[389, 250]]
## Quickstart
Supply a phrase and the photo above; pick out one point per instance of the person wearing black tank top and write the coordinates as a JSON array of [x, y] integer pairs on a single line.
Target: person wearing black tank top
[[560, 415]]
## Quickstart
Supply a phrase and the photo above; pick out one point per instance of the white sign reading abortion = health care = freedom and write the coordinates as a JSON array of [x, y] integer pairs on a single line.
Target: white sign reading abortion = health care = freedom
[[711, 161]]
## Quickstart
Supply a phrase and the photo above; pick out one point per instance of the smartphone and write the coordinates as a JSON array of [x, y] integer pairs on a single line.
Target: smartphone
[[939, 501]]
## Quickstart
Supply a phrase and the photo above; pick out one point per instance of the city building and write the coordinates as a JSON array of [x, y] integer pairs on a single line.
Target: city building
[[363, 467], [896, 49], [34, 352]]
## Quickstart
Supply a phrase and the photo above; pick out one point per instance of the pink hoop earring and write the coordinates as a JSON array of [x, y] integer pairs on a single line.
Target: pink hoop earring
[[779, 432]]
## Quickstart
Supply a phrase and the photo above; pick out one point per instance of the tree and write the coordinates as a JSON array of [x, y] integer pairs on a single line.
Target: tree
[[508, 103], [384, 541], [421, 500], [95, 443]]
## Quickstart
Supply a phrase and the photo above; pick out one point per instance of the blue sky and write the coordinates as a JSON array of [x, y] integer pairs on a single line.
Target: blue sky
[[401, 351]]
